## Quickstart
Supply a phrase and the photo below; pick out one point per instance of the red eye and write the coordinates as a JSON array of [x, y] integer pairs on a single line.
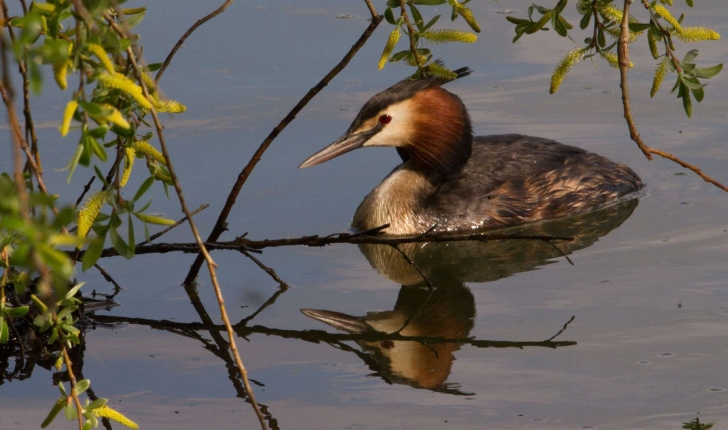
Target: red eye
[[385, 119]]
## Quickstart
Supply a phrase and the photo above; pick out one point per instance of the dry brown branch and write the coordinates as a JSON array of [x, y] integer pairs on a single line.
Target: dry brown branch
[[221, 223], [187, 34], [623, 49], [108, 277], [180, 195]]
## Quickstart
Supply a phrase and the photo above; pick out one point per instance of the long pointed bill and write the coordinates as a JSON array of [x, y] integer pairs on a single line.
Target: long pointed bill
[[338, 320], [342, 145]]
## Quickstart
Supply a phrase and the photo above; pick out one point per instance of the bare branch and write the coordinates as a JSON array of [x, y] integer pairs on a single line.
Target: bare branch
[[187, 34], [220, 225]]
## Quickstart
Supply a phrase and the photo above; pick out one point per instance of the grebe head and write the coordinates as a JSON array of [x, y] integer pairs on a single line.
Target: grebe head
[[427, 124]]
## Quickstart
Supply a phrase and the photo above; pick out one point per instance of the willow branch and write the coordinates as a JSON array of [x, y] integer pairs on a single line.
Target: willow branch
[[72, 379], [623, 52], [179, 222], [411, 34], [623, 67], [220, 224], [187, 34]]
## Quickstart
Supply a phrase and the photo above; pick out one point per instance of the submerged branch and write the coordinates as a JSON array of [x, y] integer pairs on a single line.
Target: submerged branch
[[247, 245]]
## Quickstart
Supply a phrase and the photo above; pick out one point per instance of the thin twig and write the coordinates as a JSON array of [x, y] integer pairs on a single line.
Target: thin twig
[[687, 165], [220, 224], [561, 252], [412, 263], [187, 34], [85, 190], [562, 330], [411, 34], [266, 269], [180, 221], [108, 277]]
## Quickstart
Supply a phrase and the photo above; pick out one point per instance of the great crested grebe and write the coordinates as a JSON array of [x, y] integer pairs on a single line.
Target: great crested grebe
[[453, 181]]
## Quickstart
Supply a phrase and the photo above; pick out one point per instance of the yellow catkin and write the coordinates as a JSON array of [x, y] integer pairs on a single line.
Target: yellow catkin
[[68, 116], [57, 407], [566, 63], [612, 13], [170, 106], [652, 41], [612, 59], [60, 74], [121, 82], [696, 34], [116, 117], [99, 52], [129, 156], [667, 16], [583, 6], [153, 219], [112, 414], [468, 16], [145, 148], [149, 83], [660, 73], [448, 35], [88, 213], [389, 47]]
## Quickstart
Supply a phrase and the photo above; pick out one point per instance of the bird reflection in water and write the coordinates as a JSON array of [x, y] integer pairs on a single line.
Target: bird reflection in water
[[448, 311]]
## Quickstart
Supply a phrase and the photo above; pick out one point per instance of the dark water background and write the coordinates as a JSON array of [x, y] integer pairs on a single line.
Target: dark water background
[[650, 298]]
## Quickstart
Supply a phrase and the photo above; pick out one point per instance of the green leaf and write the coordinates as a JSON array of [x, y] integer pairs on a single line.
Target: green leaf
[[17, 312], [389, 16], [150, 180], [419, 22], [72, 292], [71, 411], [689, 2], [708, 72], [584, 23], [74, 162], [153, 67], [98, 403], [82, 385], [600, 38], [134, 20], [431, 23], [93, 109], [119, 245], [690, 56], [68, 310], [97, 148], [636, 27], [699, 94], [687, 103], [130, 234], [101, 176], [4, 333], [693, 84]]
